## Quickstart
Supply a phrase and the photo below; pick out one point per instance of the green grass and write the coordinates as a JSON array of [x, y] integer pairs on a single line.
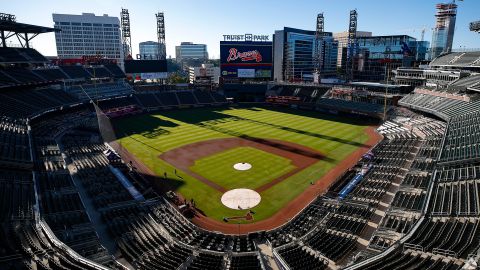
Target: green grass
[[147, 136], [266, 167]]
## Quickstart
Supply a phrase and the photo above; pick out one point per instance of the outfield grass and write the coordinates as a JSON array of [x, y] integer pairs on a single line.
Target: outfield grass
[[266, 167], [147, 136]]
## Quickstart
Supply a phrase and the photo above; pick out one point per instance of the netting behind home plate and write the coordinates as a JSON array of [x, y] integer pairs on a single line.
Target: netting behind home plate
[[105, 126]]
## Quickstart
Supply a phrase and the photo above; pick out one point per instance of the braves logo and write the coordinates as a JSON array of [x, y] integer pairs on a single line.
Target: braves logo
[[244, 56]]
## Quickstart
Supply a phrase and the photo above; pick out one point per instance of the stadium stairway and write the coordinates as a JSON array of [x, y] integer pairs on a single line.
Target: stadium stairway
[[266, 253], [384, 204]]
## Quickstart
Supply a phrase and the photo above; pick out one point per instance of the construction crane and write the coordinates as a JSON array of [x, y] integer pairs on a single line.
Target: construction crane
[[414, 30]]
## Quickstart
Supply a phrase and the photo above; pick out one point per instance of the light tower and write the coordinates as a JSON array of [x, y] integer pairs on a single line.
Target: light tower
[[126, 35], [352, 43], [320, 29], [475, 26], [162, 54]]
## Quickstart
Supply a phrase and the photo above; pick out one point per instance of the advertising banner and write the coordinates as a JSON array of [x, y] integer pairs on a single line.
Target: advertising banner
[[246, 73]]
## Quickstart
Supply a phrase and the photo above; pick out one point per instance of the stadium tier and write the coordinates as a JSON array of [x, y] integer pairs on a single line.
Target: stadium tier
[[20, 55]]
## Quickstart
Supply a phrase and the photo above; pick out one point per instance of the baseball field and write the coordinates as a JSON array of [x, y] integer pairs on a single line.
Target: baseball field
[[193, 152]]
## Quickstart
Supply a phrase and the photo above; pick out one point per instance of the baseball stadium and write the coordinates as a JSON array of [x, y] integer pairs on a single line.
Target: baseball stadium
[[261, 161]]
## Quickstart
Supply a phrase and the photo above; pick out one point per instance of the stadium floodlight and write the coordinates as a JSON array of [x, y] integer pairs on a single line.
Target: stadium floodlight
[[475, 26], [7, 17]]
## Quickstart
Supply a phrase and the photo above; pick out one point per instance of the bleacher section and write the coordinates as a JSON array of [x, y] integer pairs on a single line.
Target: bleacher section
[[20, 55], [99, 72], [99, 91], [14, 144], [465, 84], [16, 76], [50, 74], [115, 70], [75, 72], [349, 106], [158, 100], [26, 103]]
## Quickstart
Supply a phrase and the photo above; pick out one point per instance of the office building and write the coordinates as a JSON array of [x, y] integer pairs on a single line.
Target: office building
[[87, 35], [150, 50], [190, 54], [442, 39], [294, 55]]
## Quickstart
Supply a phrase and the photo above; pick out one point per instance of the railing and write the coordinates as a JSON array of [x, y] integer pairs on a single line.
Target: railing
[[445, 252], [279, 260], [68, 250], [413, 246]]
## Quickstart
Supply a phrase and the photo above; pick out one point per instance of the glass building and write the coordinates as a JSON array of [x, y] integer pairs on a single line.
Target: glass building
[[149, 50], [378, 56], [190, 54], [294, 54]]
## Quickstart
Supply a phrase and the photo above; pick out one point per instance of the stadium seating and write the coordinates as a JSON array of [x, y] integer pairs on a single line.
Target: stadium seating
[[299, 258], [25, 103], [115, 70], [50, 74], [75, 72], [17, 195], [339, 104], [20, 55], [245, 262], [99, 91], [203, 97], [14, 144], [99, 72], [421, 186], [186, 98]]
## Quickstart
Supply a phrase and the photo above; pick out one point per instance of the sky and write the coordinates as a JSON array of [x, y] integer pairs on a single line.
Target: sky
[[206, 21]]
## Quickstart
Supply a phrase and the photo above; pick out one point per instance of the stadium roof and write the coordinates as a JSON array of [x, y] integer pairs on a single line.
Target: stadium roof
[[377, 85], [12, 26]]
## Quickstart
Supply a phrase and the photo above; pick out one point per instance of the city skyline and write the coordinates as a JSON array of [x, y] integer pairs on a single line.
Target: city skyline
[[206, 24]]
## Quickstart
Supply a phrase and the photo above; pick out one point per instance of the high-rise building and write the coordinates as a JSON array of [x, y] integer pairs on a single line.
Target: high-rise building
[[87, 35], [442, 39], [328, 51], [294, 54], [342, 39], [150, 50], [190, 54]]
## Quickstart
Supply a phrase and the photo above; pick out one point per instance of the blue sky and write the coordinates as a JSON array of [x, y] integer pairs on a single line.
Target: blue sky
[[206, 21]]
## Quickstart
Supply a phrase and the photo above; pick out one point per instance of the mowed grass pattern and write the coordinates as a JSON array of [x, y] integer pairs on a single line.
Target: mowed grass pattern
[[147, 136], [266, 167]]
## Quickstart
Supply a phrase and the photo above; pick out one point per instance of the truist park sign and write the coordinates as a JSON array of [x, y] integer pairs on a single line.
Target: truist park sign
[[247, 37]]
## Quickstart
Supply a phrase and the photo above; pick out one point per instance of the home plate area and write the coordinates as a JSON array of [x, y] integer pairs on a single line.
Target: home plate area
[[241, 199]]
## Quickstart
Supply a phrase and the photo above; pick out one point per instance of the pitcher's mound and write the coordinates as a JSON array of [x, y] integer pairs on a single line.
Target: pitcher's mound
[[242, 166], [241, 198]]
